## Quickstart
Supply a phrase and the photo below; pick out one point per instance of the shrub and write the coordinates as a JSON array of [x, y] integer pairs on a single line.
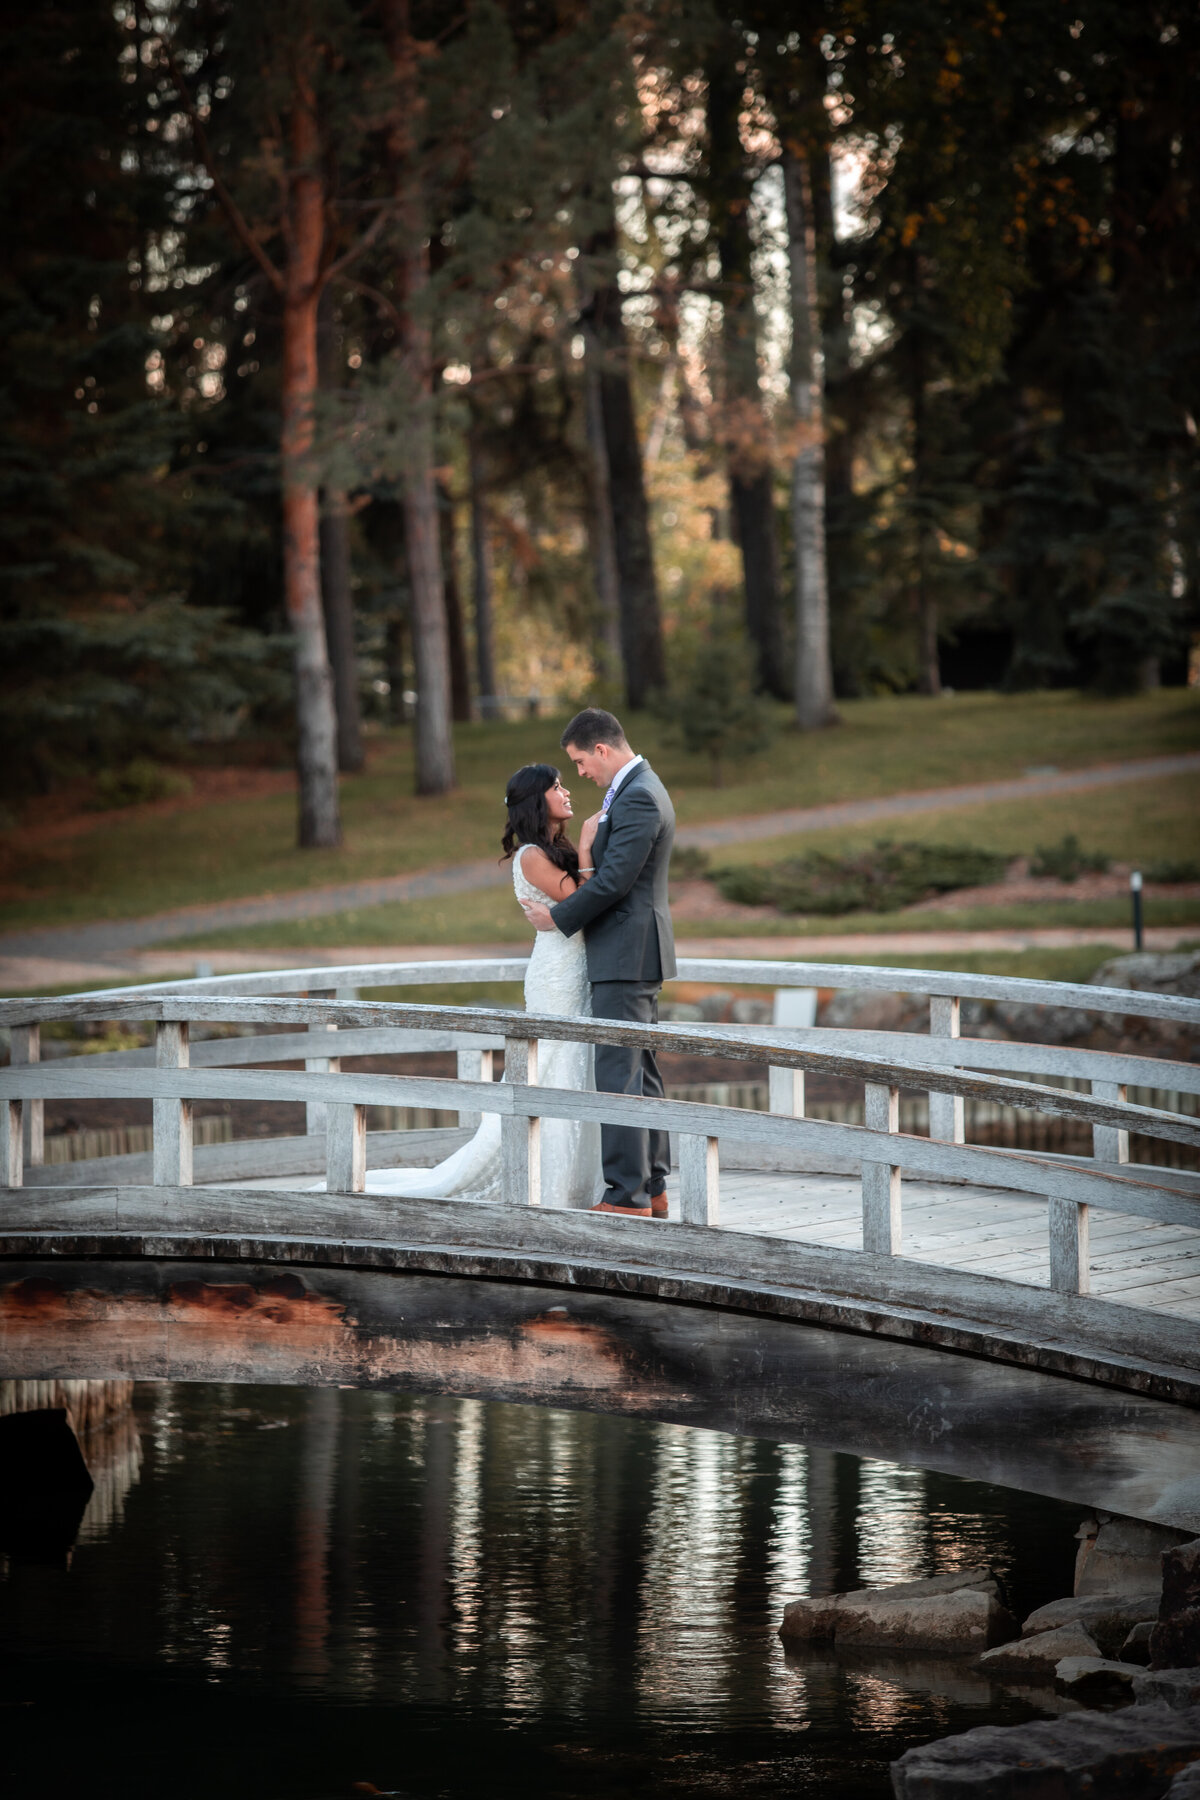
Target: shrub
[[716, 712], [137, 782], [882, 879], [1170, 870], [1067, 861]]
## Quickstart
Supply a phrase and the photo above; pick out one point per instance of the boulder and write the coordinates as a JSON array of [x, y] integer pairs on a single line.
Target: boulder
[[752, 1012], [869, 1009], [1186, 1785], [1123, 1556], [957, 1614], [1031, 1660], [1179, 1688], [1109, 1618], [1136, 1648], [1126, 1755], [1175, 1640], [1095, 1680]]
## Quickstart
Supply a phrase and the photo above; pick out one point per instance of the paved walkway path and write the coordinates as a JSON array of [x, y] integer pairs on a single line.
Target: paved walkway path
[[106, 938]]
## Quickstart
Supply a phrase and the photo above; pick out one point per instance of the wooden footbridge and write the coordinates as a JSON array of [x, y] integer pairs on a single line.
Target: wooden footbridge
[[1025, 1318]]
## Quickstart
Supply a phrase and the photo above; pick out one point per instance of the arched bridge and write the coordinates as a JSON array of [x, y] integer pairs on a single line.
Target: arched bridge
[[1014, 1315]]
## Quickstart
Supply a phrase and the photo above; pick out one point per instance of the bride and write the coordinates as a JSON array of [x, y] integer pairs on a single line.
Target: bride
[[546, 867]]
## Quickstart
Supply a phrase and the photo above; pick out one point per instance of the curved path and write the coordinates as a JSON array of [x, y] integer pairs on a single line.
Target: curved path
[[106, 937]]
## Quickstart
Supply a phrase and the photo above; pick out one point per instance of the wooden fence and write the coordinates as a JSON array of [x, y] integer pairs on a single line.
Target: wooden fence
[[300, 1012]]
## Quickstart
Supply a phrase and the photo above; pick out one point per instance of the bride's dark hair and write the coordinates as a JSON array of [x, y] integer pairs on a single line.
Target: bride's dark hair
[[529, 821]]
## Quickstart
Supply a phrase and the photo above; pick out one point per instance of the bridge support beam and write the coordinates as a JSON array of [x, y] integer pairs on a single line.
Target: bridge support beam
[[172, 1118], [12, 1150], [346, 1149], [947, 1119], [1109, 1144], [26, 1049], [880, 1180], [521, 1138], [1069, 1244], [699, 1180]]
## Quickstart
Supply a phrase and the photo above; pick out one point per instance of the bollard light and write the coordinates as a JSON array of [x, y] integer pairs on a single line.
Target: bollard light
[[1135, 893]]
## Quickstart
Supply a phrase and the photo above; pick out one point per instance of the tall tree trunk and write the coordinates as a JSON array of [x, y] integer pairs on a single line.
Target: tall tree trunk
[[641, 625], [929, 677], [814, 667], [746, 430], [337, 590], [456, 636], [600, 519], [316, 720], [481, 574], [434, 738]]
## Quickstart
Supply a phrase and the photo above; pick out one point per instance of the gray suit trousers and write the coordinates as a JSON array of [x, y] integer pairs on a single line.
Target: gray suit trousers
[[636, 1162]]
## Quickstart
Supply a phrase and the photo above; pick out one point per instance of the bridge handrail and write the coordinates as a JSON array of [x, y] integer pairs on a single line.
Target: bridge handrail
[[934, 983]]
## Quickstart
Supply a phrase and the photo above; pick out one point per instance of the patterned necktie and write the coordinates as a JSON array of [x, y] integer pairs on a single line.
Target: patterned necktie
[[607, 801]]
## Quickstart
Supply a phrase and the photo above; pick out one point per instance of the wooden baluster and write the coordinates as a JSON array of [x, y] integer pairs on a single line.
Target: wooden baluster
[[946, 1118], [1109, 1143], [699, 1180], [521, 1138], [12, 1150], [172, 1118], [26, 1049], [346, 1149], [1067, 1222], [474, 1065], [785, 1092], [315, 1118], [881, 1180]]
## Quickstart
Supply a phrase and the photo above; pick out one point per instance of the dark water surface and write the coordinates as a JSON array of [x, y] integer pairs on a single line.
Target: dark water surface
[[280, 1592]]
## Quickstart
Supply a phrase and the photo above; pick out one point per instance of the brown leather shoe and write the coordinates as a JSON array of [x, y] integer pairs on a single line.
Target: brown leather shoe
[[658, 1205], [634, 1212]]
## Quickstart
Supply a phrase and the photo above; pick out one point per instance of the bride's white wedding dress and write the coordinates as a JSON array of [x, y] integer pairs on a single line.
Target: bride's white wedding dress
[[556, 983]]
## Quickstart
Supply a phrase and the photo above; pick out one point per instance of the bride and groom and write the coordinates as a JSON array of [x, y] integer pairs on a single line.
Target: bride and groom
[[604, 948]]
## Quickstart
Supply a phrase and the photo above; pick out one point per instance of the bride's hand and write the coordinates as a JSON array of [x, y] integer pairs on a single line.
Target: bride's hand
[[587, 836]]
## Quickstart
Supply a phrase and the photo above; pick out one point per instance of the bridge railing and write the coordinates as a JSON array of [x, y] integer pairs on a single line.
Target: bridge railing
[[883, 1155]]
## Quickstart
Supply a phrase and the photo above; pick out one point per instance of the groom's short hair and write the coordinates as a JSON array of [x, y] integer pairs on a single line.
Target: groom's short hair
[[594, 726]]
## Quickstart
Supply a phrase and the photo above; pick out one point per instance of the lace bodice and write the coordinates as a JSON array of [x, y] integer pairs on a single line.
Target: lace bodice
[[556, 981]]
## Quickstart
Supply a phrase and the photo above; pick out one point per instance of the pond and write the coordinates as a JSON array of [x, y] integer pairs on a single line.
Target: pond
[[305, 1594]]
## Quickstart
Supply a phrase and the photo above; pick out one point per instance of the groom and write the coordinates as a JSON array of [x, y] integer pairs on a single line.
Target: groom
[[623, 913]]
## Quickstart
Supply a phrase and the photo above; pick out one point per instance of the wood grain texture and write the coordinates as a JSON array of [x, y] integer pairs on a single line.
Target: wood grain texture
[[881, 1196], [1108, 1145], [172, 1115], [12, 1148], [947, 1118], [699, 1180], [521, 1137], [1068, 1228], [27, 1048], [346, 1149]]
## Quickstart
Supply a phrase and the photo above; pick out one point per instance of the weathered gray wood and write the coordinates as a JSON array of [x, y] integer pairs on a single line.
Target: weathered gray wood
[[1068, 1228], [172, 1116], [26, 1049], [356, 975], [323, 1064], [474, 1065], [785, 1092], [521, 1137], [251, 1159], [699, 1180], [881, 1225], [1151, 1121], [1109, 1145], [946, 1116], [346, 1149], [289, 1046], [12, 1148]]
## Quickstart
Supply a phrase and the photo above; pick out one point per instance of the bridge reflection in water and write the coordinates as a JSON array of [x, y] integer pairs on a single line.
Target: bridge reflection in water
[[309, 1588]]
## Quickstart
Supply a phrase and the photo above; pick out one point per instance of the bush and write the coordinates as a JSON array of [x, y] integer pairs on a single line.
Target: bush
[[1067, 861], [882, 879], [1170, 870], [687, 863], [139, 781], [716, 712]]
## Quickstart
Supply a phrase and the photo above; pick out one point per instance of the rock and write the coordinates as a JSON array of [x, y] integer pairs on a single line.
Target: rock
[[955, 1614], [1186, 1785], [1136, 1648], [1095, 1680], [1172, 972], [866, 1009], [1175, 1640], [1124, 1557], [752, 1012], [677, 1012], [1109, 1618], [1026, 1024], [1034, 1659], [1174, 1687], [1126, 1755], [716, 1005]]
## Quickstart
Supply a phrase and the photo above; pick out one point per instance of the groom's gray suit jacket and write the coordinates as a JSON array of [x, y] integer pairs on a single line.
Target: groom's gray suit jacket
[[622, 910]]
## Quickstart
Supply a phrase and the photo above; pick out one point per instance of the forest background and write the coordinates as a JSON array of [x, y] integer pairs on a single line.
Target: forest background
[[372, 361]]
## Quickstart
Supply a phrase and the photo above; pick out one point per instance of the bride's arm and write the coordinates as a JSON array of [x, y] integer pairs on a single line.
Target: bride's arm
[[541, 873]]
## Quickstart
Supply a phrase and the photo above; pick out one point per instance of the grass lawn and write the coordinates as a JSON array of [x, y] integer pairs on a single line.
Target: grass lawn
[[1143, 821], [149, 859]]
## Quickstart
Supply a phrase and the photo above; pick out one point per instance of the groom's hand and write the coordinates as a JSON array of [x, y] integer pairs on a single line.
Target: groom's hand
[[538, 915]]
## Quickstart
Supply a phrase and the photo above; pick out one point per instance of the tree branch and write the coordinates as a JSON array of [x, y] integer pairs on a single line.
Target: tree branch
[[229, 206]]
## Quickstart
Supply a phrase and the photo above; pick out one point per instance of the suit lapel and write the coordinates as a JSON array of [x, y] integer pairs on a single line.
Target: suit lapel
[[600, 843]]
